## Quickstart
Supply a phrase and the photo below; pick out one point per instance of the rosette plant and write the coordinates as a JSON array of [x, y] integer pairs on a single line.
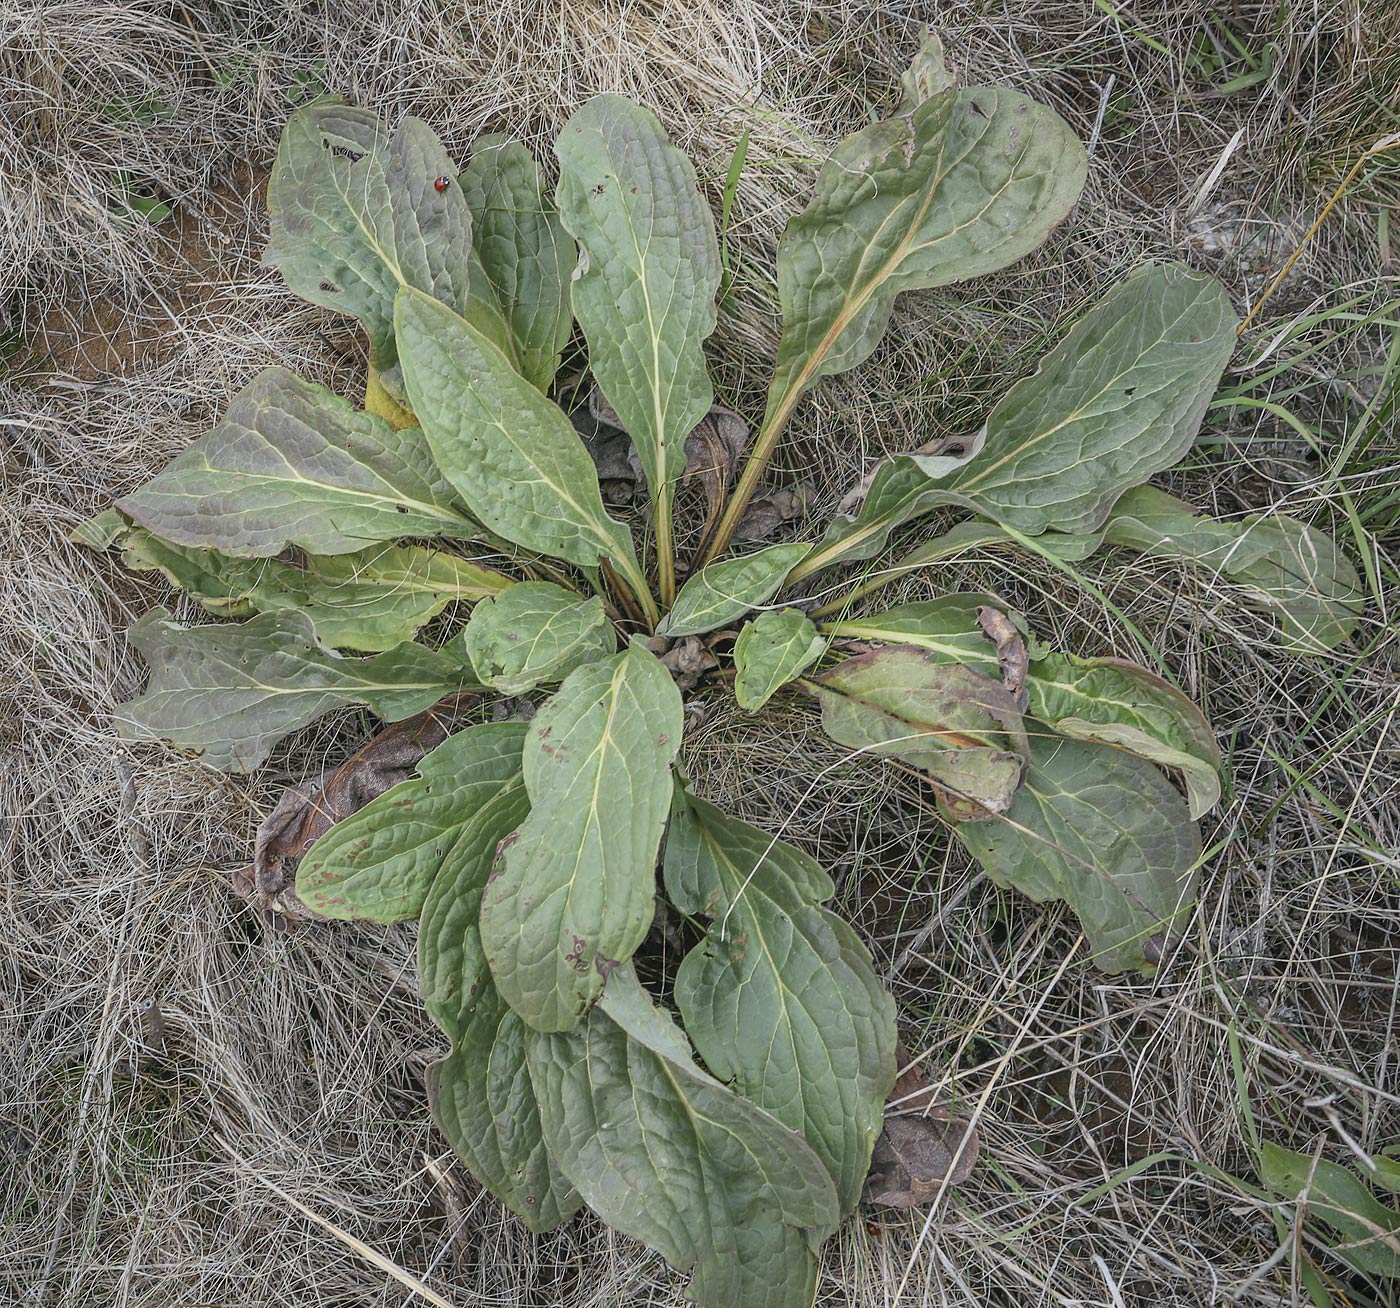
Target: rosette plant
[[730, 1127]]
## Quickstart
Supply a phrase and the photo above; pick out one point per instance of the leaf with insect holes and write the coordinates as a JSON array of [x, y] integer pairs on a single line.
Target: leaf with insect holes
[[524, 252], [1107, 833], [292, 464], [957, 186], [958, 725], [1113, 701], [1328, 1193], [729, 588], [670, 1156], [535, 632], [770, 651], [644, 292], [574, 889], [370, 600], [511, 453], [1120, 398], [1283, 566], [354, 214], [780, 997], [232, 690]]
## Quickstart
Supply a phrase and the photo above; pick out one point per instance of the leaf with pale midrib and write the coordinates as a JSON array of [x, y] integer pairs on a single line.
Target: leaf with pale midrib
[[535, 632], [1119, 399], [370, 600], [668, 1155], [963, 183], [644, 293], [729, 588], [511, 453], [292, 464], [780, 997], [771, 651], [230, 691], [574, 889]]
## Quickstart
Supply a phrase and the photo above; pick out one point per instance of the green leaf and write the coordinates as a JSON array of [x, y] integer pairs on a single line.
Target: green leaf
[[526, 255], [668, 1155], [573, 891], [370, 600], [535, 632], [380, 862], [354, 215], [729, 588], [1120, 703], [1105, 832], [510, 452], [960, 726], [771, 650], [1284, 567], [781, 998], [964, 183], [292, 464], [1331, 1194], [232, 690], [1120, 398], [644, 292]]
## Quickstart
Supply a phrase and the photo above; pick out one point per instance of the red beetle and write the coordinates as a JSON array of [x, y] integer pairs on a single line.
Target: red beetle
[[442, 183]]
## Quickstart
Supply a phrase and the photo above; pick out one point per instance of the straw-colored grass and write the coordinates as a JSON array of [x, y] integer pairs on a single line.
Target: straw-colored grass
[[196, 1109]]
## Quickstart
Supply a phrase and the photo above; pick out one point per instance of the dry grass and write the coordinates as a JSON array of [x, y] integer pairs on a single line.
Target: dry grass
[[175, 1075]]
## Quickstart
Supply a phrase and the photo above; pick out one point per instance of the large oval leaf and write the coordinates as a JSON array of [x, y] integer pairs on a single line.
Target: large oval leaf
[[230, 691], [573, 892], [1120, 398], [960, 726], [668, 1155], [957, 186], [535, 632], [511, 453], [524, 252], [728, 589], [292, 464], [644, 292], [1105, 832], [354, 215], [780, 998]]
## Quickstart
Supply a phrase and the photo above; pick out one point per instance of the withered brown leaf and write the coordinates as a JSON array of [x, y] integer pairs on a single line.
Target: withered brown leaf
[[922, 1149]]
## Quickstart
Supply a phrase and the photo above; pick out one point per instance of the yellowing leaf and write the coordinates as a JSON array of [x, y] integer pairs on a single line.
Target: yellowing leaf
[[957, 724]]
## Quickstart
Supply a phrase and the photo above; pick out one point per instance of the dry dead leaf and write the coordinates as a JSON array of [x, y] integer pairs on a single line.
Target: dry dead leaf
[[769, 513], [1012, 657], [917, 1154], [306, 812]]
